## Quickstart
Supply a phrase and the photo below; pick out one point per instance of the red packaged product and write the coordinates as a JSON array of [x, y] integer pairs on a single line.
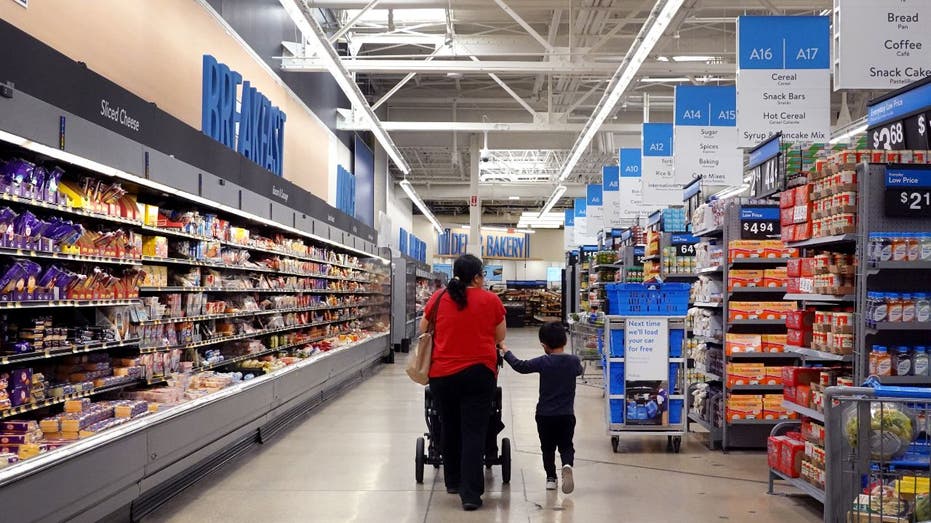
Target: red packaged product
[[787, 199], [788, 392], [774, 450], [794, 267], [807, 267], [803, 195], [787, 217], [791, 462], [794, 376], [803, 395], [800, 319], [799, 337], [794, 285]]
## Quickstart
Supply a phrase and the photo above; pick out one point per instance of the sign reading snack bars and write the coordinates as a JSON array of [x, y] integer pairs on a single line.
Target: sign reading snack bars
[[611, 195], [706, 135], [658, 179], [783, 79], [881, 44]]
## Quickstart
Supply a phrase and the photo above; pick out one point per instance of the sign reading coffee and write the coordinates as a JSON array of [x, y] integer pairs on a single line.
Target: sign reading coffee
[[256, 130]]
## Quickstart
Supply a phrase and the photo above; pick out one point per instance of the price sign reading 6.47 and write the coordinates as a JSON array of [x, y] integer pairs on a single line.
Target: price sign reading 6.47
[[908, 192]]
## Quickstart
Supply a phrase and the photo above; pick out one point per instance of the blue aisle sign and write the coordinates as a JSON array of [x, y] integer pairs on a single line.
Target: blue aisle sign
[[706, 135], [660, 187], [570, 218], [706, 106], [611, 195], [783, 78], [594, 193], [260, 124], [580, 208], [630, 163], [764, 152], [630, 189], [657, 139]]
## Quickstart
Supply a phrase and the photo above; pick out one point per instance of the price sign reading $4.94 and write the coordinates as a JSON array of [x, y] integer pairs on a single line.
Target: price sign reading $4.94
[[908, 193], [759, 223]]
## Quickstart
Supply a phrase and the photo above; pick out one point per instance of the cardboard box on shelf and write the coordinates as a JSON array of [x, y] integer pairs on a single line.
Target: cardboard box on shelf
[[744, 278], [740, 343]]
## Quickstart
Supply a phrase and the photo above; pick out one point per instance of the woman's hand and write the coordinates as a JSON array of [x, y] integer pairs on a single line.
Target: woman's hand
[[502, 349]]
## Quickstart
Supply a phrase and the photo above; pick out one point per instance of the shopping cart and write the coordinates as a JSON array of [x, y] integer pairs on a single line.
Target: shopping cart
[[586, 340], [878, 445]]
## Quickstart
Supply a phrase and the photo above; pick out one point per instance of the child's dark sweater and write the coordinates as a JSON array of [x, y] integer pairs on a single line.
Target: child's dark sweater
[[557, 380]]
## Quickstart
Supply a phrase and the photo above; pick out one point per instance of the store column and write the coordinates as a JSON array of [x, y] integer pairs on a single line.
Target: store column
[[475, 203]]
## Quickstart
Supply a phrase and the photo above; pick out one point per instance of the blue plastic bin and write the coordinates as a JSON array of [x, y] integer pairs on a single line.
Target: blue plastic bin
[[648, 299], [675, 411], [617, 411], [675, 343], [616, 381], [673, 376]]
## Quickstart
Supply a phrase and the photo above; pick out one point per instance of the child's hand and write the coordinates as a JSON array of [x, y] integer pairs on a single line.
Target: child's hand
[[502, 349]]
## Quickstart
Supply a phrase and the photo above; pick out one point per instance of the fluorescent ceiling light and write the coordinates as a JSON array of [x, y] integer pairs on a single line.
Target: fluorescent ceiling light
[[412, 194], [689, 58], [400, 16], [649, 80], [513, 197], [557, 194], [847, 135], [520, 229], [662, 59], [300, 15], [731, 191], [660, 18]]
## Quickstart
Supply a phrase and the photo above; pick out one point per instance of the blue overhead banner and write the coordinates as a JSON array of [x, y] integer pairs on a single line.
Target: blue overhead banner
[[569, 230], [580, 230], [594, 203], [706, 135], [660, 187], [783, 78], [900, 106], [611, 195], [630, 163], [630, 191]]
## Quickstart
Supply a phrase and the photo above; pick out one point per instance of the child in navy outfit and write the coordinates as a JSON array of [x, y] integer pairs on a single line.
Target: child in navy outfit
[[555, 408]]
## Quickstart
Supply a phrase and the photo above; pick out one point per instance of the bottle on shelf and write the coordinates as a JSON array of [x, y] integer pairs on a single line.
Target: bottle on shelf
[[880, 361]]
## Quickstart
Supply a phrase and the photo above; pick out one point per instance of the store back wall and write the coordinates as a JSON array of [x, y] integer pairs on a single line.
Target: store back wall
[[155, 50]]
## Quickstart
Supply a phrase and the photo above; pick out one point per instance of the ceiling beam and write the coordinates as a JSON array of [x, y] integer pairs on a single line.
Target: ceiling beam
[[497, 191], [351, 23], [353, 65], [478, 127], [523, 23], [461, 5]]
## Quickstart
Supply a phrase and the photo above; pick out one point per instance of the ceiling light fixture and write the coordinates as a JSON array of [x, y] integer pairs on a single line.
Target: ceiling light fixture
[[847, 135], [557, 194], [412, 194], [696, 58], [731, 191], [660, 17], [651, 80], [513, 197], [300, 15]]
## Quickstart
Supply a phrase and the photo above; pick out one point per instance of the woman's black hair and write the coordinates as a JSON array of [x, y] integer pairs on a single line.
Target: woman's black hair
[[465, 269]]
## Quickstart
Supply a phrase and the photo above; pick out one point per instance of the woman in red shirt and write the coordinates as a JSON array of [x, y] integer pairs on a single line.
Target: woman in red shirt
[[469, 324]]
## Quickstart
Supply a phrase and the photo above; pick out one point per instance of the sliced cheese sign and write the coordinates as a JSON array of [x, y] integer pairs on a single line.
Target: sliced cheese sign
[[783, 79], [706, 135], [658, 179]]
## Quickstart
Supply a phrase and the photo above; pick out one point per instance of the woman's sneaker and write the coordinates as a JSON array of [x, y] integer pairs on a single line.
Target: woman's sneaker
[[568, 485], [550, 483]]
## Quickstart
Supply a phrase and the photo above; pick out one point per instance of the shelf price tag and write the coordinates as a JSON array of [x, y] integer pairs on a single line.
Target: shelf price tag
[[916, 132], [759, 223], [639, 254], [684, 244], [908, 193], [889, 137]]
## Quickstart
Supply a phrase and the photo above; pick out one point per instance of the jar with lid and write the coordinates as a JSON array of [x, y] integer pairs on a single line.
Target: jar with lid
[[899, 247], [901, 361], [880, 361], [908, 308], [880, 308], [922, 307], [894, 306], [914, 247], [884, 247], [920, 361]]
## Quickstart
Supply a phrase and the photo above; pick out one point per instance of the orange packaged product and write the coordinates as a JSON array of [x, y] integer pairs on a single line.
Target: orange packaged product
[[745, 374], [773, 342], [744, 278], [741, 343], [772, 376]]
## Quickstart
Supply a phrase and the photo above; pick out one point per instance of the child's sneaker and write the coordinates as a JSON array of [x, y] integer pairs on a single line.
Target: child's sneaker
[[550, 483], [568, 485]]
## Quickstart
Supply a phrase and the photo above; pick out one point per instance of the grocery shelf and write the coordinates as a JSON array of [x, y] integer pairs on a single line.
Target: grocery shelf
[[22, 409], [39, 204], [708, 339], [759, 323], [711, 270], [767, 262], [896, 326], [757, 290], [654, 257], [850, 298], [819, 355], [898, 265], [717, 231], [915, 381], [801, 484], [61, 351], [756, 421], [254, 355], [710, 375], [709, 305], [65, 303], [825, 241], [606, 266], [703, 423], [246, 314], [761, 355], [804, 411], [69, 257], [678, 275], [755, 388]]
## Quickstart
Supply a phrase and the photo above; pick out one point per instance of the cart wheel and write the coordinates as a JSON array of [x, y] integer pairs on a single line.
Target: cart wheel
[[668, 443], [419, 461], [505, 461], [676, 444], [615, 441]]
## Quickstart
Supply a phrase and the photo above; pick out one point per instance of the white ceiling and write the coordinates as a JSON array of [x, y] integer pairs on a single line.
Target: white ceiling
[[529, 72]]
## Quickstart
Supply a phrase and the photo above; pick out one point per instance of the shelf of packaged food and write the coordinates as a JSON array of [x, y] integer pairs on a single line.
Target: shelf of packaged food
[[246, 314], [761, 355], [679, 275], [756, 421], [898, 266], [62, 351], [755, 388], [66, 209], [705, 424], [244, 336], [652, 257], [69, 257], [711, 270], [65, 303], [224, 266], [708, 339], [254, 355], [804, 411], [824, 241], [826, 298], [708, 304], [818, 355], [757, 290], [802, 485], [756, 323], [709, 376], [914, 381], [717, 231], [898, 326], [29, 407], [757, 262], [606, 266]]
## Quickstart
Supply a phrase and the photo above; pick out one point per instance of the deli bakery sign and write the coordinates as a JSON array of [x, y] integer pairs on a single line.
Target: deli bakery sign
[[495, 244], [254, 128]]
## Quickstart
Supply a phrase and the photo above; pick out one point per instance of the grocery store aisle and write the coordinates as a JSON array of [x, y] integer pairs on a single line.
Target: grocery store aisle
[[353, 460]]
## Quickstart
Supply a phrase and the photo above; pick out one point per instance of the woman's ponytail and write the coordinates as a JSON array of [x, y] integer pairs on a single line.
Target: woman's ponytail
[[465, 269]]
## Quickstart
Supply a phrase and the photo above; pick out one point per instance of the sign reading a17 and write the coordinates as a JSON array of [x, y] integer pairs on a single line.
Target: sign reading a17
[[807, 53]]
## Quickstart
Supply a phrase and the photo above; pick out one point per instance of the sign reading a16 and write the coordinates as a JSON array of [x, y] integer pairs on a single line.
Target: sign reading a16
[[762, 54]]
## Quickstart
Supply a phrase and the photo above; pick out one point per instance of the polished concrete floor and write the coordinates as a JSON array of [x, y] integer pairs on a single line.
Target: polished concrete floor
[[353, 460]]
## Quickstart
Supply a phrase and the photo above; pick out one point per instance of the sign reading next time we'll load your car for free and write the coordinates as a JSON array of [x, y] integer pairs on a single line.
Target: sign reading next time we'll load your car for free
[[783, 79]]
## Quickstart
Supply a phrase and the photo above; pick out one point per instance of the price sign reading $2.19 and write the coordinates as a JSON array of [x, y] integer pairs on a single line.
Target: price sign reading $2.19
[[908, 193]]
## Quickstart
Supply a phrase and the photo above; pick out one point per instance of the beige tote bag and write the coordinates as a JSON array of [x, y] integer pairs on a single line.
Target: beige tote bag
[[418, 367]]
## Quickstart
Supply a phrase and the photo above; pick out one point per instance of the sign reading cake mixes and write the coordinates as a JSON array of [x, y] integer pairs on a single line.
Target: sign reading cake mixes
[[783, 79], [660, 186], [881, 44], [706, 135]]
